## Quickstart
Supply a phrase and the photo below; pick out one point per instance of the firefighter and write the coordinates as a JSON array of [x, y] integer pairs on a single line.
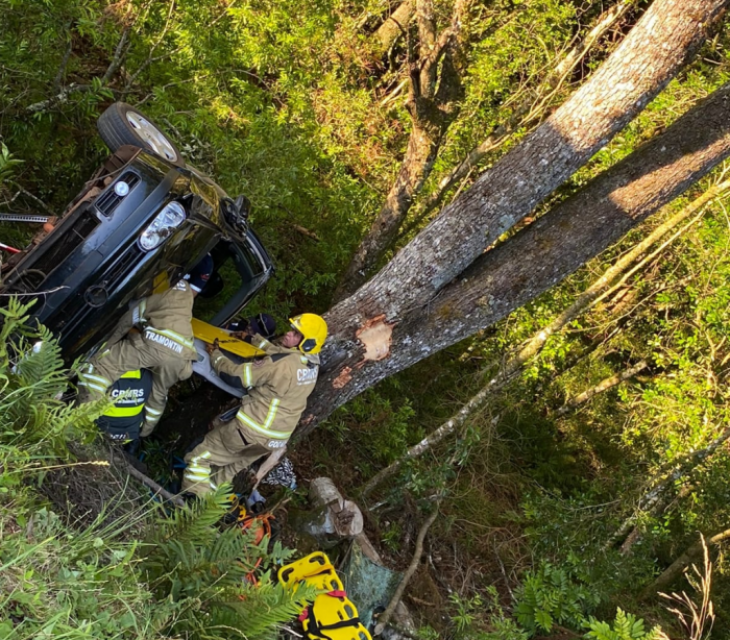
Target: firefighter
[[278, 385], [123, 422], [157, 335]]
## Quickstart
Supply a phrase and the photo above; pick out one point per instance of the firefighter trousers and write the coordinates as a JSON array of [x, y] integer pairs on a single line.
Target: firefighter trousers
[[224, 452], [131, 354]]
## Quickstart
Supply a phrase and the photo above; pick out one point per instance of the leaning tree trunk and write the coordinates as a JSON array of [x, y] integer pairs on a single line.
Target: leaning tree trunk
[[655, 49], [602, 387], [622, 268], [692, 554], [535, 259]]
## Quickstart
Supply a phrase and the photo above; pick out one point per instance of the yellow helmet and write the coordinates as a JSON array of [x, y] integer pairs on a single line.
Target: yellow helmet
[[314, 330]]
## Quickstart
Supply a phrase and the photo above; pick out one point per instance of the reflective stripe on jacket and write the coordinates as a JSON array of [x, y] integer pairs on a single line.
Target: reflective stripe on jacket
[[278, 387], [165, 320]]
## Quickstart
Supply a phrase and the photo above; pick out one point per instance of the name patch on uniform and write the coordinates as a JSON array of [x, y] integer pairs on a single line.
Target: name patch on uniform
[[306, 376], [163, 340], [276, 444]]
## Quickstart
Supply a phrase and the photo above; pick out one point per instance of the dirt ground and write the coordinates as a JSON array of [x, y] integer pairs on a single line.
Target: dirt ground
[[94, 489]]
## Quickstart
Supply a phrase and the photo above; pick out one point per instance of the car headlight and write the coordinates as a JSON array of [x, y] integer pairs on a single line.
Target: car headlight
[[162, 226]]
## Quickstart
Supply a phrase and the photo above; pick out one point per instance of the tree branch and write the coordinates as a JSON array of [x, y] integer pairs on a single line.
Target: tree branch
[[602, 386], [430, 57], [58, 80], [390, 609], [691, 554], [63, 96], [176, 500], [395, 25], [118, 56]]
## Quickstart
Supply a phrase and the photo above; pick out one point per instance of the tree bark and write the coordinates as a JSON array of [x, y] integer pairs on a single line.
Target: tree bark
[[435, 92], [604, 385], [394, 26], [693, 553], [526, 112], [532, 347], [528, 264], [656, 48]]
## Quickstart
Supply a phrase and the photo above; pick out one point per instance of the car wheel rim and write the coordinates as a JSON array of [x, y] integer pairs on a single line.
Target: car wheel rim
[[150, 134]]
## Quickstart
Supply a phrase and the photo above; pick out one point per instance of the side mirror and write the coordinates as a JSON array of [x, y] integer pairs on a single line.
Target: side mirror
[[243, 205]]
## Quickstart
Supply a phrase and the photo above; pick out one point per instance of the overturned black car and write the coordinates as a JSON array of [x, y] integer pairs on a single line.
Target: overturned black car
[[140, 223]]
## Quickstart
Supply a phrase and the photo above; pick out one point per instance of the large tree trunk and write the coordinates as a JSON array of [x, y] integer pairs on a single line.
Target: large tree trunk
[[655, 49], [622, 268], [532, 261]]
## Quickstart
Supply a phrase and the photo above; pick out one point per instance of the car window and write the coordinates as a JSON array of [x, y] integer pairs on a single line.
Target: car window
[[254, 261], [236, 277]]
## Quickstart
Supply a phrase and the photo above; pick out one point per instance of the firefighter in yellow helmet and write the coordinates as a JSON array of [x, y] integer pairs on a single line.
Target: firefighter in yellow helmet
[[277, 385]]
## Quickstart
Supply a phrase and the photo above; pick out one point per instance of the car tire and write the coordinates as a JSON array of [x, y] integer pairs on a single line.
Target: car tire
[[121, 124]]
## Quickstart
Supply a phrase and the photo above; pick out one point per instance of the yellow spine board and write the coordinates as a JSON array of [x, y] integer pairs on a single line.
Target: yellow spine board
[[307, 566], [208, 333], [317, 571], [331, 610]]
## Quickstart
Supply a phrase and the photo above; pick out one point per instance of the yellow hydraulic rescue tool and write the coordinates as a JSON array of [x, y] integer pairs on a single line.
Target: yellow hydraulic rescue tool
[[208, 333]]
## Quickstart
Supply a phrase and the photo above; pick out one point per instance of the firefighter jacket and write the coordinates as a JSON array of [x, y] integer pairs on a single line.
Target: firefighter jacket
[[130, 393], [163, 319], [278, 386], [162, 340]]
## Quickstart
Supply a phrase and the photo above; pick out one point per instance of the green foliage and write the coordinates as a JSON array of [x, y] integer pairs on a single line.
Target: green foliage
[[98, 582], [32, 380], [471, 623], [60, 583], [8, 166], [210, 573], [625, 627], [56, 581], [285, 102], [378, 424], [550, 596]]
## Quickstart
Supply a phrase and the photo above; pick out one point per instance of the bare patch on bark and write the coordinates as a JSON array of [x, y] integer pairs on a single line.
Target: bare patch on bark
[[376, 336], [344, 378]]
